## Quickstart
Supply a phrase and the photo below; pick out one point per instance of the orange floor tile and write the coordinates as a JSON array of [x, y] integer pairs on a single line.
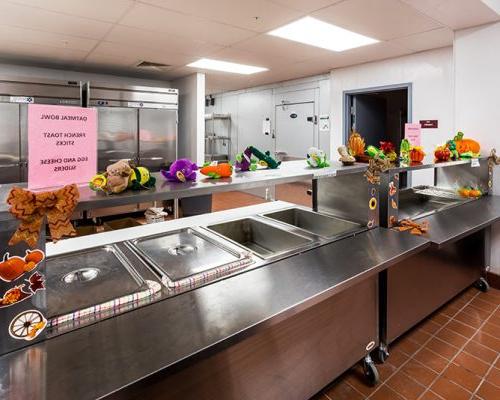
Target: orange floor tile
[[452, 355]]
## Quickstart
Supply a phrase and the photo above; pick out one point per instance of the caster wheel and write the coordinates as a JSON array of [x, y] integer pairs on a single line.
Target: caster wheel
[[370, 371], [482, 284], [382, 354]]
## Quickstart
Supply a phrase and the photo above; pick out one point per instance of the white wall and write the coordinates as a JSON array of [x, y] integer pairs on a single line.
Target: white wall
[[191, 136], [21, 71], [249, 107], [431, 75], [477, 87]]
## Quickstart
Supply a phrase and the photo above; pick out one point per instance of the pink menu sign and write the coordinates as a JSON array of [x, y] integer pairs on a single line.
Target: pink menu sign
[[62, 145], [413, 134]]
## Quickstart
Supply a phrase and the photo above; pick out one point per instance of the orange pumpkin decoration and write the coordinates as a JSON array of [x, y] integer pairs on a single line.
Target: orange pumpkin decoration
[[11, 268], [465, 144], [34, 256], [416, 154]]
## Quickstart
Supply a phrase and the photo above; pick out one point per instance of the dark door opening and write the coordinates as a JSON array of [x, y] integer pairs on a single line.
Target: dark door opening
[[378, 115]]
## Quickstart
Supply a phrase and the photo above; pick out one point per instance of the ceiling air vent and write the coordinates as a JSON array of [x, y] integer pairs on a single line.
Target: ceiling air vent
[[152, 65]]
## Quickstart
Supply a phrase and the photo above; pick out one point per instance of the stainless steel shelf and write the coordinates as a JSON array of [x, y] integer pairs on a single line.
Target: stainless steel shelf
[[289, 171]]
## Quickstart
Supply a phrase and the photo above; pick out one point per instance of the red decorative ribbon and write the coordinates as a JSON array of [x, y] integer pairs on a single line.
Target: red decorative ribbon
[[31, 208]]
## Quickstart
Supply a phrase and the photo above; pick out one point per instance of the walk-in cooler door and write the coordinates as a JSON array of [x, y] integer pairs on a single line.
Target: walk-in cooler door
[[157, 137]]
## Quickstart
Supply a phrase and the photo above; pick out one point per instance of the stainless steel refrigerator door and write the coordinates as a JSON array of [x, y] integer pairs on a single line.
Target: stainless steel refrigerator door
[[9, 143], [117, 135], [157, 137], [23, 141]]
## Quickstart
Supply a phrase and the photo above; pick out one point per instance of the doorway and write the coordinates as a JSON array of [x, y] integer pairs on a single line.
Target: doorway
[[379, 114], [295, 128]]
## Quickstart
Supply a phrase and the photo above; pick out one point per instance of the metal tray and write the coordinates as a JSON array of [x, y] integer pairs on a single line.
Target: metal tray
[[259, 237], [183, 253], [310, 221], [86, 278]]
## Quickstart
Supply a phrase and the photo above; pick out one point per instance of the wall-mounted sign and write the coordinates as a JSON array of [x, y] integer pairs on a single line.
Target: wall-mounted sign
[[62, 145], [429, 123], [413, 134], [324, 123]]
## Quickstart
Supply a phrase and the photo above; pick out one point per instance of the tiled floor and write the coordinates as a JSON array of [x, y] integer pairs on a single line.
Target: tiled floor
[[452, 355]]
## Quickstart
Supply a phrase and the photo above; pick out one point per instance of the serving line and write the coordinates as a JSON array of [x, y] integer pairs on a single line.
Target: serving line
[[288, 172], [455, 223], [156, 340]]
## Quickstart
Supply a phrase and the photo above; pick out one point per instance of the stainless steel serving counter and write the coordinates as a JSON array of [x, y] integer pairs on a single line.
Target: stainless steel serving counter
[[289, 171], [118, 354], [455, 223], [430, 162]]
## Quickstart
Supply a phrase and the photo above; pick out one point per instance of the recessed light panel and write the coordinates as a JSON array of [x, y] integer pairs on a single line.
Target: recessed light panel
[[225, 66], [317, 33]]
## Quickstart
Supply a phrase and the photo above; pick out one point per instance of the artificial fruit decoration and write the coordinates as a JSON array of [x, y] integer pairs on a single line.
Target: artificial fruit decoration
[[373, 152], [265, 159], [416, 154], [389, 150], [442, 153], [181, 170], [356, 144], [245, 161], [216, 171], [404, 151], [465, 145], [316, 158], [470, 192]]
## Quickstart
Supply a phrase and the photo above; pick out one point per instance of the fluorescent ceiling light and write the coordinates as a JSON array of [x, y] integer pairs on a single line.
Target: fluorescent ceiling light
[[217, 65], [317, 33], [493, 4]]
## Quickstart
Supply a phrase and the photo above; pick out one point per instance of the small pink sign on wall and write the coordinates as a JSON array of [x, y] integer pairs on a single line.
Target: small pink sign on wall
[[62, 145], [413, 133]]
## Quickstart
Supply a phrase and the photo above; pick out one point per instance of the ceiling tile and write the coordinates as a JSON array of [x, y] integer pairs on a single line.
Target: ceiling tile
[[48, 21], [161, 42], [360, 55], [380, 19], [456, 14], [161, 20], [111, 60], [434, 39], [306, 5], [236, 55], [140, 54], [27, 51], [271, 46], [102, 10], [236, 13], [13, 33]]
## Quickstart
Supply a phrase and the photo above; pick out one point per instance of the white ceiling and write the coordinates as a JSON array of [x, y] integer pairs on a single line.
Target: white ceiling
[[114, 35]]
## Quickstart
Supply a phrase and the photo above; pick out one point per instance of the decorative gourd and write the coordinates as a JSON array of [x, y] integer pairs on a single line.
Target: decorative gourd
[[465, 144], [356, 144], [442, 153], [416, 154]]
